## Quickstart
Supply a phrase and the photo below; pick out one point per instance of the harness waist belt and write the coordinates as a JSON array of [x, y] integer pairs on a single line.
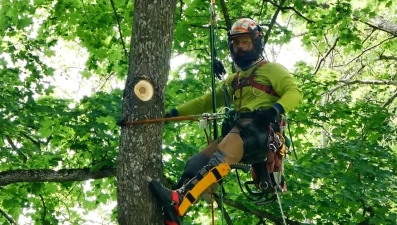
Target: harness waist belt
[[250, 115]]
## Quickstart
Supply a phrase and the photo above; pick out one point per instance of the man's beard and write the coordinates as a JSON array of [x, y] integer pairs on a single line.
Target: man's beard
[[244, 59]]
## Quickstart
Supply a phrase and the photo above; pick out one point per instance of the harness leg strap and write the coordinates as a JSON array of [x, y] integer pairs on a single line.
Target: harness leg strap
[[175, 203], [213, 175]]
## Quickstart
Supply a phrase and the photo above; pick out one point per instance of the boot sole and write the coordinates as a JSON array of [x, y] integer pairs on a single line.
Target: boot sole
[[166, 203]]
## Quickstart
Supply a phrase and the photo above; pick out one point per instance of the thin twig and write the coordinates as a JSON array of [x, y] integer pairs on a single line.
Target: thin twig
[[121, 34], [226, 15], [44, 209], [375, 82], [366, 38], [273, 21], [366, 50], [9, 218], [222, 207], [390, 100], [387, 57], [325, 56]]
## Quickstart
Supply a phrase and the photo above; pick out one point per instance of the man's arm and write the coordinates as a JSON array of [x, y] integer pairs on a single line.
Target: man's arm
[[201, 104], [284, 85]]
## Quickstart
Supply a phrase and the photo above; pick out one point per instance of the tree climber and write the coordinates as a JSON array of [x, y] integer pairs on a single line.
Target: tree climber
[[261, 93]]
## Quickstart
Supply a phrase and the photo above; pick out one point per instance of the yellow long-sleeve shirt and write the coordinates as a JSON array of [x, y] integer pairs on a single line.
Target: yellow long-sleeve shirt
[[272, 74]]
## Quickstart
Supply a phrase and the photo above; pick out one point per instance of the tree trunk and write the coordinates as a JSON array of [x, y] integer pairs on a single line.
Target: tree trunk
[[140, 145]]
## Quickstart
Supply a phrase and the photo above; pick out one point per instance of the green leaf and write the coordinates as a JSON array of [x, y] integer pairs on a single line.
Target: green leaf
[[51, 188], [8, 203], [39, 2], [86, 74], [24, 22]]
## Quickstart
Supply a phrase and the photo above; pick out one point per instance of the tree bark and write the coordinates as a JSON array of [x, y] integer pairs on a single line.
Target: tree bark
[[140, 145], [47, 175]]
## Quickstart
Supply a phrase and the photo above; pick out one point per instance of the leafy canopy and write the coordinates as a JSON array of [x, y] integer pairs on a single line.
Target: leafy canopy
[[344, 130]]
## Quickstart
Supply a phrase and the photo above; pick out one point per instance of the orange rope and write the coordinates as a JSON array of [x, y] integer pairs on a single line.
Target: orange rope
[[212, 209], [179, 118]]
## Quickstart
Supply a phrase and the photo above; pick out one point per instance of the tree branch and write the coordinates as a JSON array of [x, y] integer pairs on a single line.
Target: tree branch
[[366, 209], [299, 14], [259, 213], [357, 72], [390, 100], [206, 26], [15, 148], [378, 23], [273, 20], [44, 209], [375, 82], [325, 56], [9, 218], [382, 24], [367, 49], [369, 35], [119, 26], [226, 214], [181, 10], [261, 11], [226, 15], [293, 9], [35, 142], [387, 57], [47, 175]]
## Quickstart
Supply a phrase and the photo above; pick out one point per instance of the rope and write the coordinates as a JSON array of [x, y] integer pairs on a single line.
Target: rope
[[206, 116], [212, 47], [213, 55], [292, 142], [212, 209], [279, 204]]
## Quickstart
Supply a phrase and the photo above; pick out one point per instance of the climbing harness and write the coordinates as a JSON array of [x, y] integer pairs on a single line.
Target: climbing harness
[[238, 83], [262, 196]]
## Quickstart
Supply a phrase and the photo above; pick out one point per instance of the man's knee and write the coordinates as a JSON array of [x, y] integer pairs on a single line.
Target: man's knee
[[211, 148]]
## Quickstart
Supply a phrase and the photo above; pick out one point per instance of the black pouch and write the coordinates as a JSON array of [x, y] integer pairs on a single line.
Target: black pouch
[[229, 122]]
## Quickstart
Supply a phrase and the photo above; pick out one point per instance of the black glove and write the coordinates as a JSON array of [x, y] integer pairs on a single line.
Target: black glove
[[219, 69], [172, 113]]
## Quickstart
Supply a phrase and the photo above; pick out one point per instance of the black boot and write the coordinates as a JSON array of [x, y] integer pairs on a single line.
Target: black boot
[[170, 200]]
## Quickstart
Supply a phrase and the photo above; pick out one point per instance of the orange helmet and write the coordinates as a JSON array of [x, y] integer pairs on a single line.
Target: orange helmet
[[246, 26]]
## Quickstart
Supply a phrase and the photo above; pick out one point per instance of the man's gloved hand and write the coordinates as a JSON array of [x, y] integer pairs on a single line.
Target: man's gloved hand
[[219, 69], [172, 113]]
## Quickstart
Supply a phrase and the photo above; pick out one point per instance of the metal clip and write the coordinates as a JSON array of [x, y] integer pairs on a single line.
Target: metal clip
[[203, 124], [272, 147]]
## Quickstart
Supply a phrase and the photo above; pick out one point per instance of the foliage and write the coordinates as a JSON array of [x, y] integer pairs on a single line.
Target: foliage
[[344, 130]]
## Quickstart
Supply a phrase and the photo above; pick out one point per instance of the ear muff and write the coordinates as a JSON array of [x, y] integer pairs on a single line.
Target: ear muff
[[261, 37]]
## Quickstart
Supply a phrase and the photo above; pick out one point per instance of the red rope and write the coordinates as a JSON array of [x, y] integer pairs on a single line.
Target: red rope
[[212, 210]]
